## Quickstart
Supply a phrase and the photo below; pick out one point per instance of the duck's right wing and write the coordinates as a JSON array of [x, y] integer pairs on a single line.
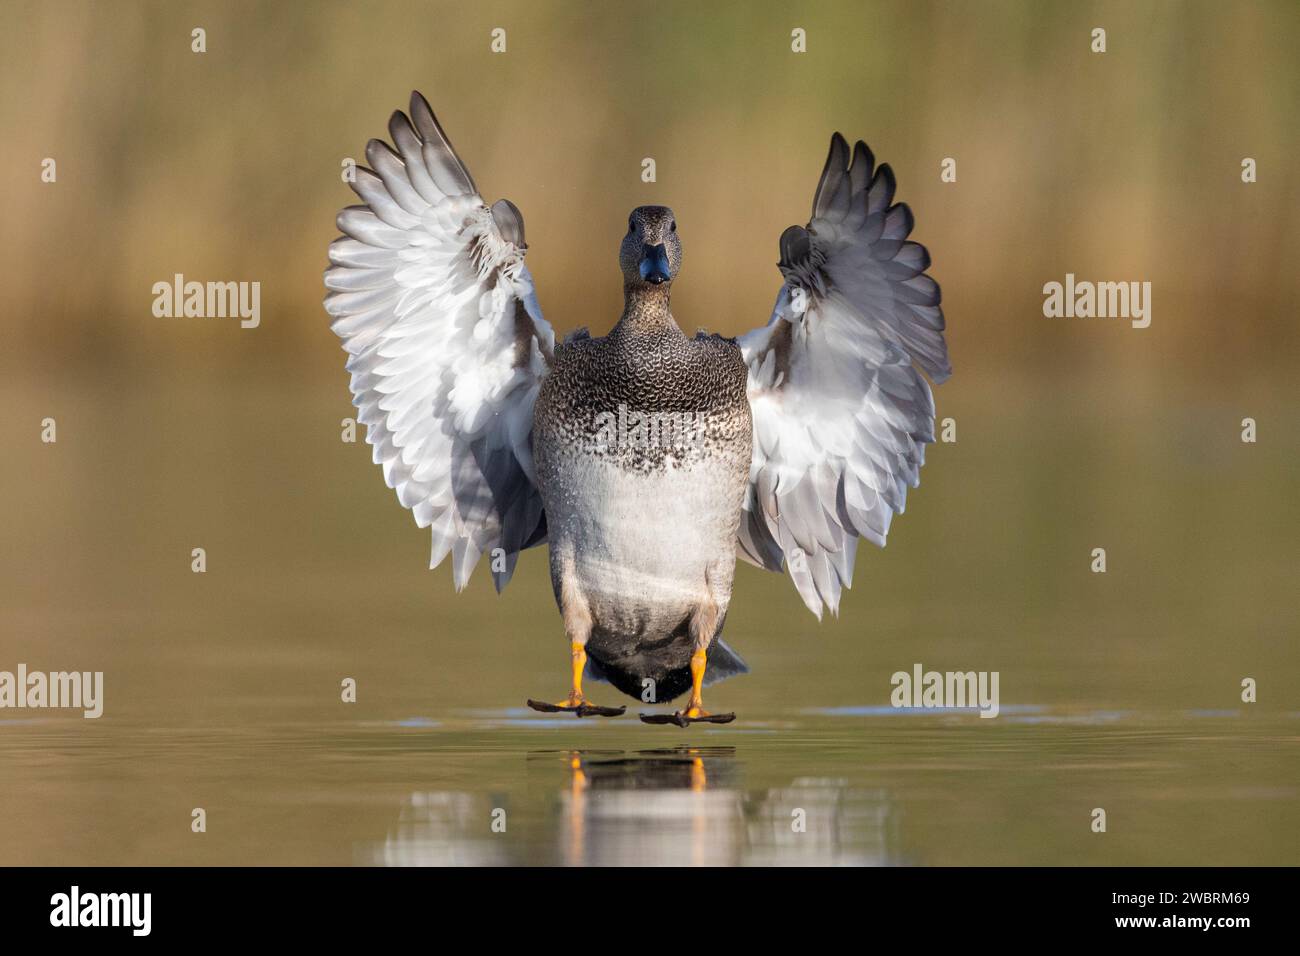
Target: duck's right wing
[[446, 342]]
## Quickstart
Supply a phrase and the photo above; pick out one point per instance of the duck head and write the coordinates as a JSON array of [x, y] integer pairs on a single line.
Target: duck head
[[651, 253]]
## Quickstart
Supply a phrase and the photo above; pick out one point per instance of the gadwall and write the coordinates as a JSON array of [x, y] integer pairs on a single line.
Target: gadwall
[[647, 460]]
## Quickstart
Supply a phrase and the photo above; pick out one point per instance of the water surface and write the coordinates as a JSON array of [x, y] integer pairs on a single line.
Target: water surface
[[780, 788], [1119, 691]]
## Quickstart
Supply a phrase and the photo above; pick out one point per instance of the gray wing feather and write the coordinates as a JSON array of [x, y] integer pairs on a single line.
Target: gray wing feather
[[841, 413], [446, 342]]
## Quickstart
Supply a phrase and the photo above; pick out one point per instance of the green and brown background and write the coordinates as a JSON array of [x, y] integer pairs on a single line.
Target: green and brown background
[[1120, 690]]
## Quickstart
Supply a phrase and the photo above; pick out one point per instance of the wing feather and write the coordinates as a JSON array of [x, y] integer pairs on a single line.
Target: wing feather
[[841, 413], [447, 347]]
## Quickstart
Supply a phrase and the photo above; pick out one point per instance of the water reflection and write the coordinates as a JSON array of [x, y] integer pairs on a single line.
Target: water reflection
[[442, 829], [679, 806], [672, 807]]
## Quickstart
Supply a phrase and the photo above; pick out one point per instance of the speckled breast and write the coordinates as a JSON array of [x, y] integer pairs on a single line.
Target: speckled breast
[[642, 455]]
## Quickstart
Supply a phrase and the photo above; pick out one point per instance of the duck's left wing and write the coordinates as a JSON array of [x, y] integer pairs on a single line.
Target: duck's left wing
[[446, 345], [841, 414]]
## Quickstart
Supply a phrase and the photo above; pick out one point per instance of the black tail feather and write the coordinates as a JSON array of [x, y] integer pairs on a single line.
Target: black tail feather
[[629, 674]]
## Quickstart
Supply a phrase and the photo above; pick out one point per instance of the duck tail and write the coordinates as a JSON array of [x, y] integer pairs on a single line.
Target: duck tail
[[629, 675], [723, 663]]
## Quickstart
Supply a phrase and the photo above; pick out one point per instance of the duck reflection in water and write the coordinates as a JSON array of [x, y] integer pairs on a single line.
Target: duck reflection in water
[[669, 807], [666, 807]]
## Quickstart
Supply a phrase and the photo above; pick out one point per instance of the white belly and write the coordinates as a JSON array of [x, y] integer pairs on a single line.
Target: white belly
[[648, 547]]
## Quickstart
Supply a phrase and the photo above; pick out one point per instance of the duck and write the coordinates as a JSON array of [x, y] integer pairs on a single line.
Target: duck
[[647, 461]]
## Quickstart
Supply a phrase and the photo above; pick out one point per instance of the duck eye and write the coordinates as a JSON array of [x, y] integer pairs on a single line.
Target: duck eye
[[631, 225], [673, 227]]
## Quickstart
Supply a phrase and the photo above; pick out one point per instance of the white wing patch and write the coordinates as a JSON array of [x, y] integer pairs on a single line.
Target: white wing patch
[[446, 344]]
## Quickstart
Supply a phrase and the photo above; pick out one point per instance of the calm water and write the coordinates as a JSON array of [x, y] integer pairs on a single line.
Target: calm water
[[222, 689], [869, 788]]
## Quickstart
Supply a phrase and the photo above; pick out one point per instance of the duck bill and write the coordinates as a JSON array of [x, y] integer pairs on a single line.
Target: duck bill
[[654, 264]]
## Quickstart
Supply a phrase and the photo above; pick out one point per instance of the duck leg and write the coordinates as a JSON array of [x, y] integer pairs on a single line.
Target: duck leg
[[575, 702], [703, 625], [577, 624], [694, 712]]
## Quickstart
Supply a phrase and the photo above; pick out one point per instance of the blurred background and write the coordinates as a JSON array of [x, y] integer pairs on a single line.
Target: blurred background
[[1072, 434]]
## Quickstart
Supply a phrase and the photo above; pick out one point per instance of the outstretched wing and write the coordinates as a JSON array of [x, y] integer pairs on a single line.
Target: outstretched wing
[[841, 414], [446, 344]]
